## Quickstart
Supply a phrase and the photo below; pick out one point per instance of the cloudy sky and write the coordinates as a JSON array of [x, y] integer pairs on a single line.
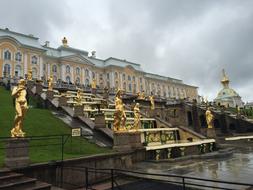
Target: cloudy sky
[[190, 40]]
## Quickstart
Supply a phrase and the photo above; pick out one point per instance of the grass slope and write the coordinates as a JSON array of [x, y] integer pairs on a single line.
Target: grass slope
[[41, 122]]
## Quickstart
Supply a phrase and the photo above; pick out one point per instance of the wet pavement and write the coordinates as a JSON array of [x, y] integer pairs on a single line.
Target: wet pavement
[[236, 168]]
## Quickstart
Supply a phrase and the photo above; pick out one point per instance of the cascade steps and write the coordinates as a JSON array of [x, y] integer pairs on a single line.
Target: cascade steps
[[16, 181]]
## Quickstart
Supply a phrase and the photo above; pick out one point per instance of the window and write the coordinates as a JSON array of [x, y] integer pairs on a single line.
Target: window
[[18, 71], [116, 75], [18, 57], [141, 88], [129, 77], [87, 82], [124, 77], [78, 71], [108, 76], [87, 73], [34, 59], [134, 91], [68, 79], [77, 80], [54, 69], [116, 84], [130, 87], [93, 75], [101, 76], [124, 86], [44, 67], [134, 78], [7, 55], [140, 80], [55, 78], [7, 70], [67, 69]]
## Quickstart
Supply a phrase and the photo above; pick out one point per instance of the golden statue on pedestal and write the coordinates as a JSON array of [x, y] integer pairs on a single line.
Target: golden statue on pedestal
[[152, 102], [119, 115], [141, 95], [50, 83], [209, 118], [78, 97], [19, 92], [30, 74], [137, 116], [94, 84]]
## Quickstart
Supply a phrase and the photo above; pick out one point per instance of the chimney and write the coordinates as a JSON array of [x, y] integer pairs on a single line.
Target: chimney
[[47, 43], [93, 54]]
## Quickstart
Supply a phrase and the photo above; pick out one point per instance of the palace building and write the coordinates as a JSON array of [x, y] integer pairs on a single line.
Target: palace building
[[20, 53]]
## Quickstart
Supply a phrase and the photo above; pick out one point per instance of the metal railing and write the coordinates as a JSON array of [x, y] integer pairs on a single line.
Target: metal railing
[[113, 177]]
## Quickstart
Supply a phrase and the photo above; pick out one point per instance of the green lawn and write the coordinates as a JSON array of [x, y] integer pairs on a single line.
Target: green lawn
[[41, 122]]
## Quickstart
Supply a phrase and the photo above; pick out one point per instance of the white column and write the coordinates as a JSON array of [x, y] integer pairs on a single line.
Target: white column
[[72, 74], [41, 68], [83, 75], [63, 71], [25, 63], [112, 80]]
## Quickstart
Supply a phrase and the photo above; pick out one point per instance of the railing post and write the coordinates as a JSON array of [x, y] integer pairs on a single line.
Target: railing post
[[86, 178], [112, 179], [183, 183]]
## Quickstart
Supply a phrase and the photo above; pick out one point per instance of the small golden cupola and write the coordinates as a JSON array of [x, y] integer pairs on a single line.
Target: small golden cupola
[[65, 42]]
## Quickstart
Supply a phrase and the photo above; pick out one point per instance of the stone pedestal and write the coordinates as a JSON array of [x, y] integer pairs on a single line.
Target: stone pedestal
[[127, 141], [17, 153], [100, 120], [39, 88], [78, 110], [30, 84], [50, 95], [63, 101], [210, 133]]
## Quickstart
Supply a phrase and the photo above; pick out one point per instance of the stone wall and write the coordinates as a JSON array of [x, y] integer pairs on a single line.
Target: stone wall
[[73, 173]]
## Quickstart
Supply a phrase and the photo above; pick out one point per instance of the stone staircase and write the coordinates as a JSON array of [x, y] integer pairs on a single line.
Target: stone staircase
[[10, 180]]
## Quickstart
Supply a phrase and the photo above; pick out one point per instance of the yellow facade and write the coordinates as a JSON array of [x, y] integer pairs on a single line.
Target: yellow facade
[[75, 66]]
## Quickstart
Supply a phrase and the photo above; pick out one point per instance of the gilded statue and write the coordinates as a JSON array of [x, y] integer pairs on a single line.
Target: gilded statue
[[152, 102], [137, 116], [50, 83], [19, 92], [119, 115], [30, 75], [141, 95], [79, 97], [94, 84], [209, 118]]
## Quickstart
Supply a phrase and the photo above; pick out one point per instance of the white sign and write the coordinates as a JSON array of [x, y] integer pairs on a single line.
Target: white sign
[[76, 132]]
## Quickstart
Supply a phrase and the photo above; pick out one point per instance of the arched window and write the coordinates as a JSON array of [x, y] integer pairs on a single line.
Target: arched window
[[134, 90], [34, 59], [116, 84], [124, 77], [78, 80], [141, 87], [54, 69], [134, 78], [140, 80], [18, 57], [124, 86], [87, 73], [87, 82], [7, 55], [34, 72], [116, 75], [18, 71], [68, 80], [130, 87], [93, 75], [67, 69], [7, 70], [77, 71], [129, 77]]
